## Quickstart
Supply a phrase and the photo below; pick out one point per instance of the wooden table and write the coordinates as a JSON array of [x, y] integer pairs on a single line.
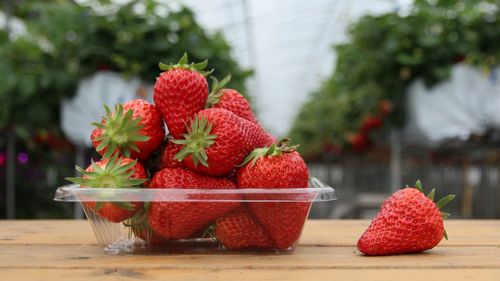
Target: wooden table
[[67, 250]]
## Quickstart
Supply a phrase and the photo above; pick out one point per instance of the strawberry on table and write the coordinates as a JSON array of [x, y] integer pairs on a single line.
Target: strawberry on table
[[179, 92], [180, 220], [114, 172], [217, 140], [277, 166], [407, 222], [134, 129], [240, 229]]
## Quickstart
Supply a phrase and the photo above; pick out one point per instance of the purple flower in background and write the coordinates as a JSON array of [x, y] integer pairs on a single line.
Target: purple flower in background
[[23, 158]]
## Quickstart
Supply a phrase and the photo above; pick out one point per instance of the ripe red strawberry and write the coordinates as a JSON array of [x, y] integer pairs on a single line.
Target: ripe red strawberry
[[179, 92], [277, 166], [371, 123], [233, 101], [219, 140], [135, 129], [359, 141], [230, 99], [140, 226], [179, 220], [407, 222], [167, 156], [113, 172], [240, 229]]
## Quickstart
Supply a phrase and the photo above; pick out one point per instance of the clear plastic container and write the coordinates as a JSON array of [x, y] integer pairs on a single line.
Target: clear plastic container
[[173, 220]]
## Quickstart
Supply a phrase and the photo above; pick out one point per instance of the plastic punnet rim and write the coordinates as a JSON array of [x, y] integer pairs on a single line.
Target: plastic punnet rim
[[317, 192]]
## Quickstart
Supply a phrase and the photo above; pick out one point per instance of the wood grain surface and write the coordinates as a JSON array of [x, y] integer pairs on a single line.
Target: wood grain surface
[[67, 250]]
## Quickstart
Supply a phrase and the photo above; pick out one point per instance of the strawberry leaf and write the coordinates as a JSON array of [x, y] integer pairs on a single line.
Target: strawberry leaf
[[124, 205], [112, 174], [418, 185], [444, 201], [431, 194], [216, 93], [184, 59], [276, 149], [98, 205], [183, 63]]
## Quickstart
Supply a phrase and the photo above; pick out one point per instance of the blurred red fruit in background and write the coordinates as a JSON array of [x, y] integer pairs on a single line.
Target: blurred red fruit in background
[[385, 107]]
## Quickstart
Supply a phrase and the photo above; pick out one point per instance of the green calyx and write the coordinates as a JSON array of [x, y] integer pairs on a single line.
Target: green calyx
[[196, 140], [184, 64], [139, 221], [120, 132], [276, 149], [440, 203], [112, 175], [216, 93]]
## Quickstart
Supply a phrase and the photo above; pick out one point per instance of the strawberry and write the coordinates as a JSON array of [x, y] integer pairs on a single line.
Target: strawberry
[[148, 235], [359, 141], [140, 227], [240, 229], [277, 166], [385, 107], [167, 156], [407, 222], [113, 172], [371, 123], [135, 129], [179, 220], [233, 101], [230, 99], [179, 92], [219, 140]]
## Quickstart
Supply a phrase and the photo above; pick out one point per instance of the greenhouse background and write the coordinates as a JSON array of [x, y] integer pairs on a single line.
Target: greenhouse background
[[378, 93]]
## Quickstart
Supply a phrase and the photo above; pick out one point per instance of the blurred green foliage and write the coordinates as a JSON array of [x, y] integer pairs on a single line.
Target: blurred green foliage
[[65, 42], [385, 54]]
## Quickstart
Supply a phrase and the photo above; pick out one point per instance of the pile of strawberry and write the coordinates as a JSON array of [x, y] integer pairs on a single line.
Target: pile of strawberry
[[214, 141]]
